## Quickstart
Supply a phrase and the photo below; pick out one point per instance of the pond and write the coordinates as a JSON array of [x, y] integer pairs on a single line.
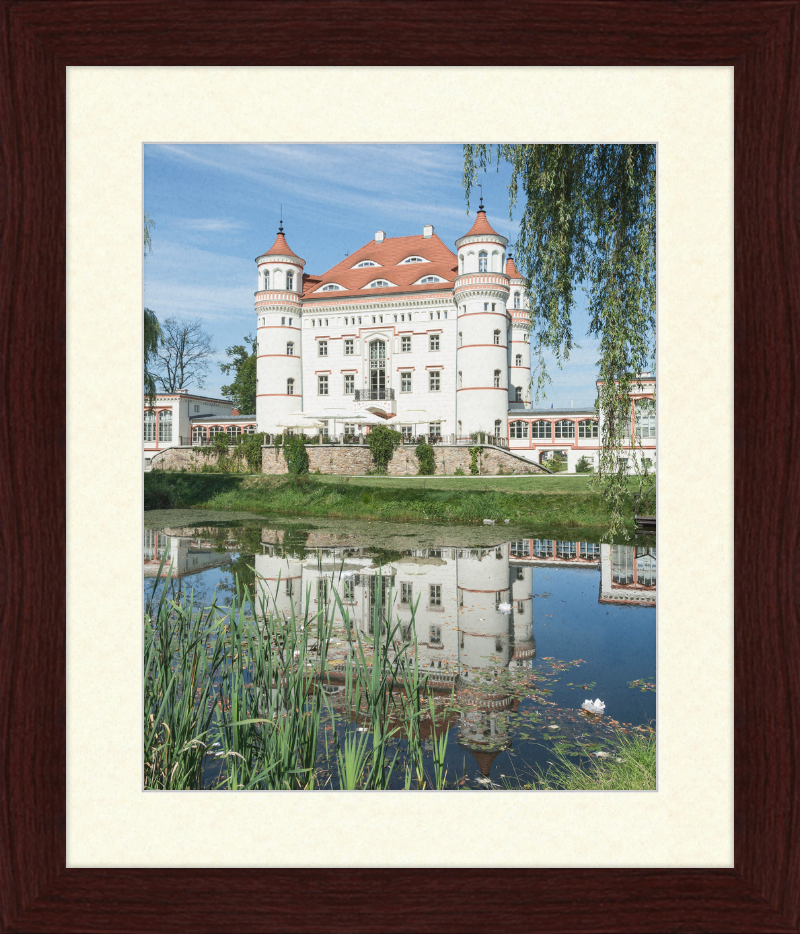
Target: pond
[[510, 635]]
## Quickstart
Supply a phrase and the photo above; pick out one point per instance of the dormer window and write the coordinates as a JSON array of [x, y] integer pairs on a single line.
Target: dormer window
[[366, 262], [413, 259], [430, 279], [378, 284], [330, 287]]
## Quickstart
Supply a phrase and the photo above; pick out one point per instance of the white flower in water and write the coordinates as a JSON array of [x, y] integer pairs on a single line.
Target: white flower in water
[[214, 744], [504, 608], [488, 521], [347, 575], [596, 706]]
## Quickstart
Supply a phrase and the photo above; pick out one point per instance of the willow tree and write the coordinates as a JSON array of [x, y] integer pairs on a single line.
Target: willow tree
[[152, 329], [588, 222]]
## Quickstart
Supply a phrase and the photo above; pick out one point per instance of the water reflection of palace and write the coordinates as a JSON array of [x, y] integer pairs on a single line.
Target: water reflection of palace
[[181, 554], [628, 574]]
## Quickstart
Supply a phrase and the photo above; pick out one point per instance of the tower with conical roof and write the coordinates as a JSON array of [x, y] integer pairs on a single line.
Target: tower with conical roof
[[279, 392], [481, 293], [519, 368]]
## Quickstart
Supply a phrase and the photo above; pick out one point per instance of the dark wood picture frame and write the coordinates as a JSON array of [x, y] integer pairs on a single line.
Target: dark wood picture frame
[[761, 40]]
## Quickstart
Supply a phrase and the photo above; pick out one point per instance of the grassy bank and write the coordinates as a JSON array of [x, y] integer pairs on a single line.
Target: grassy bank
[[551, 502], [629, 766]]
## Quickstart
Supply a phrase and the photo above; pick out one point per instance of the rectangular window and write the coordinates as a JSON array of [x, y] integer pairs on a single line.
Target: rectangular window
[[485, 306], [197, 408], [283, 321], [435, 380], [435, 429], [322, 387], [149, 426], [288, 586], [349, 384], [349, 591], [436, 635], [435, 598], [407, 431], [322, 590], [587, 429], [405, 382], [322, 348], [434, 342], [348, 348], [405, 592], [405, 344]]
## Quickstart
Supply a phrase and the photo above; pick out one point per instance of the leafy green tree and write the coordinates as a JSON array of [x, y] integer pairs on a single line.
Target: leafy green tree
[[242, 389], [588, 221], [382, 441], [152, 329]]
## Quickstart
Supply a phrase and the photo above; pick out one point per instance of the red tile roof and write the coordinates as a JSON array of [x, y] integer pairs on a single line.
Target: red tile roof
[[481, 226], [393, 250], [511, 270], [280, 247]]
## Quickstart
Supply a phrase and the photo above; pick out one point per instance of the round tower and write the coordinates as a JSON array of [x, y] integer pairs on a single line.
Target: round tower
[[279, 392], [481, 293], [484, 631], [519, 357]]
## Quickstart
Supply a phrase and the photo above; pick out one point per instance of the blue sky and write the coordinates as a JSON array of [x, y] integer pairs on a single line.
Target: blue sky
[[217, 207]]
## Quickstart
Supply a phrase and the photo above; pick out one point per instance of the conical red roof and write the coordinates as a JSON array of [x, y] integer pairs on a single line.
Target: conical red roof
[[280, 247], [511, 270], [481, 225]]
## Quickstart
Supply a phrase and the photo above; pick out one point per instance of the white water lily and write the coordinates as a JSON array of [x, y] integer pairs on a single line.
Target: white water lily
[[347, 575], [595, 706], [504, 608], [488, 521]]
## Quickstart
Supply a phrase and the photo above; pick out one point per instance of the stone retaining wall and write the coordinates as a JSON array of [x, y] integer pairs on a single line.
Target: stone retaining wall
[[355, 460]]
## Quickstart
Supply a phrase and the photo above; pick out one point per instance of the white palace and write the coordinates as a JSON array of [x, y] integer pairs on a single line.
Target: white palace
[[403, 332]]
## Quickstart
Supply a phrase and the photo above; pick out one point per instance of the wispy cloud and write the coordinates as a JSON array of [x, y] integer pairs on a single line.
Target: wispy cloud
[[212, 224]]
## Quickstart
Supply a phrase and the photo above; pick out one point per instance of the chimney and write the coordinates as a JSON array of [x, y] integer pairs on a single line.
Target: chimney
[[427, 230], [184, 391], [380, 236]]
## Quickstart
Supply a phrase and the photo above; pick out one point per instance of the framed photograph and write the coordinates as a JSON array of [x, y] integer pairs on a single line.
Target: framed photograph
[[152, 880]]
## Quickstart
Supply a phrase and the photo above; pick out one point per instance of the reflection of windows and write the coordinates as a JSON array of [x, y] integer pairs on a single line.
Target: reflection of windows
[[567, 549], [519, 606], [322, 590], [587, 428], [622, 564], [349, 591], [288, 586], [543, 547], [435, 595], [519, 550], [405, 592], [590, 550], [149, 426], [520, 574], [165, 425], [436, 635], [541, 429]]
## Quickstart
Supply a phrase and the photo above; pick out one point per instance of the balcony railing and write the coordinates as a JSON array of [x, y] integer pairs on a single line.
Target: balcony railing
[[374, 395]]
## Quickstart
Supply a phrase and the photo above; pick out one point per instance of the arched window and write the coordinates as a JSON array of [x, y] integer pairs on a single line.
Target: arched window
[[518, 360], [516, 299], [430, 279], [233, 431], [518, 394], [587, 428], [165, 425], [495, 261], [482, 261], [541, 429], [215, 430], [249, 430], [518, 430], [497, 379], [149, 426], [461, 262], [289, 387], [290, 349], [565, 429], [290, 281], [276, 279], [497, 337], [645, 418], [497, 424], [266, 278], [198, 434]]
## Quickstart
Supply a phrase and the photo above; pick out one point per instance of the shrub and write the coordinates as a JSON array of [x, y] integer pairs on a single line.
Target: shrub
[[556, 463], [458, 472], [584, 465], [251, 450], [382, 441], [294, 450], [475, 452], [427, 464]]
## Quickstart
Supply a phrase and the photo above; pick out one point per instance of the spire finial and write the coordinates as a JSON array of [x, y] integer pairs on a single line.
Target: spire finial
[[280, 229], [480, 206]]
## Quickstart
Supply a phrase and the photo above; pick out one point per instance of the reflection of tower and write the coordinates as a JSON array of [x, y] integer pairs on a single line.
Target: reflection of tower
[[481, 293], [484, 631], [279, 390], [279, 580], [485, 731], [522, 601]]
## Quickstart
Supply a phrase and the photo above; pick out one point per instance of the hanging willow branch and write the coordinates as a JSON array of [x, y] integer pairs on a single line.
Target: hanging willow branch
[[589, 221]]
